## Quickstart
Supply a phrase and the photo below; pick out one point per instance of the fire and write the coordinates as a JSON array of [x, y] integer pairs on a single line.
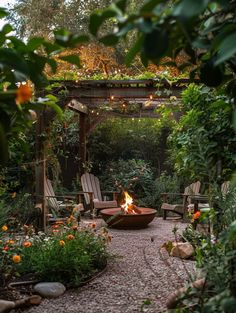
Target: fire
[[128, 207]]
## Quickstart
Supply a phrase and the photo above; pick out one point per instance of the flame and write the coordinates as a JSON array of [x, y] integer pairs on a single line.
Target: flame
[[128, 206]]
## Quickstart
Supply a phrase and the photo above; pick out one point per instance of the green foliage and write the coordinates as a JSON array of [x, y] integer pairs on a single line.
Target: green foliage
[[194, 237], [26, 62], [203, 141], [82, 253], [215, 256], [163, 184], [128, 139], [135, 176], [166, 28]]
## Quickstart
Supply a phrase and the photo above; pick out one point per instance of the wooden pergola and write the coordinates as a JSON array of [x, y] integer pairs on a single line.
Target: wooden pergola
[[96, 100]]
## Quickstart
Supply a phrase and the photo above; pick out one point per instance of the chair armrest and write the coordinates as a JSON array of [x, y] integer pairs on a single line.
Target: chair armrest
[[113, 193], [172, 194]]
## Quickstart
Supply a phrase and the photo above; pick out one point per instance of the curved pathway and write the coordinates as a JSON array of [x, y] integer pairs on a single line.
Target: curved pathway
[[138, 280]]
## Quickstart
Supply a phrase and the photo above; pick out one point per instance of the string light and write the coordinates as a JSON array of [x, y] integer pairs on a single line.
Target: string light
[[112, 97], [151, 97]]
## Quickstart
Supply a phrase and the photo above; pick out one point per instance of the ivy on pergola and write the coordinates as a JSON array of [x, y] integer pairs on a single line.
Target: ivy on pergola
[[96, 100]]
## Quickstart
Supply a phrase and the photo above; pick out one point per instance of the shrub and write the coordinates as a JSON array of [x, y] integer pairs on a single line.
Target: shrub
[[165, 183], [135, 176], [68, 255]]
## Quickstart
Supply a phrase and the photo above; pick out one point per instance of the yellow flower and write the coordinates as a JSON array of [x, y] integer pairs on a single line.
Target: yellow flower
[[16, 258], [23, 94], [27, 244], [62, 243], [4, 228]]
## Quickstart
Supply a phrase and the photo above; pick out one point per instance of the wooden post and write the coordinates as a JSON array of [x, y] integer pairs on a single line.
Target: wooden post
[[40, 169], [82, 141]]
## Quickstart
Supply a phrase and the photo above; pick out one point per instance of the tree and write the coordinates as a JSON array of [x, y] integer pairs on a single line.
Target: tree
[[22, 68], [205, 30]]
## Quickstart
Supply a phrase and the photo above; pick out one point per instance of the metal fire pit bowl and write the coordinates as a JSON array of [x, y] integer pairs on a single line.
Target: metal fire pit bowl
[[116, 219]]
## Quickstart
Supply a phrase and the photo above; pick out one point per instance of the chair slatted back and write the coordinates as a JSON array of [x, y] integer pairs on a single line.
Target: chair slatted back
[[193, 189], [91, 183], [50, 195]]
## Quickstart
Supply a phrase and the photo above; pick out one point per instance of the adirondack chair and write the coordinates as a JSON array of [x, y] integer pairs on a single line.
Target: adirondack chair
[[224, 189], [57, 208], [179, 209], [93, 194]]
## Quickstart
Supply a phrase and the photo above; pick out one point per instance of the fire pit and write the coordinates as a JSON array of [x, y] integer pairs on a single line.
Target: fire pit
[[128, 216], [115, 217]]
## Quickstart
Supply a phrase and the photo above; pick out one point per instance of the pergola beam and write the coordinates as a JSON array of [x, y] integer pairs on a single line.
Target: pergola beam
[[77, 106]]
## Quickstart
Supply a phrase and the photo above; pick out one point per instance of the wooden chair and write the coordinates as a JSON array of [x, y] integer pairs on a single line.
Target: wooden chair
[[179, 209], [93, 194], [59, 206], [224, 189]]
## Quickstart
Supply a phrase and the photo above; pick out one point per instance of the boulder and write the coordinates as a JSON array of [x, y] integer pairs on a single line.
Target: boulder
[[183, 250], [49, 290]]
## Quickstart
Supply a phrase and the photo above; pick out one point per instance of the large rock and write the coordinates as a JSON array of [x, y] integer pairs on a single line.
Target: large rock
[[50, 290], [183, 250]]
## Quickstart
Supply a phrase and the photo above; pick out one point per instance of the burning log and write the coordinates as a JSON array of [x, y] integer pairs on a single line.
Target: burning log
[[132, 209], [128, 207]]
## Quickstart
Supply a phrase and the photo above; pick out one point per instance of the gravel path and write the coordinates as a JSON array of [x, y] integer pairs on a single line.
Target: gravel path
[[142, 271]]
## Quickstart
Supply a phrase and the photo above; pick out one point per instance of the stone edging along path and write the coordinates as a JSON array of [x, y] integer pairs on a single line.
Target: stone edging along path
[[139, 279]]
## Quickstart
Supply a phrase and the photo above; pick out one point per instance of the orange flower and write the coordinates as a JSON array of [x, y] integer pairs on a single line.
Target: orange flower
[[23, 94], [92, 225], [62, 243], [4, 228], [59, 222], [74, 227], [27, 244], [196, 215], [10, 242], [70, 237], [16, 258]]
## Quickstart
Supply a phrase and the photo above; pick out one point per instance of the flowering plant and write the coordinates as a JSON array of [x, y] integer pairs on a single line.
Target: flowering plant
[[82, 252]]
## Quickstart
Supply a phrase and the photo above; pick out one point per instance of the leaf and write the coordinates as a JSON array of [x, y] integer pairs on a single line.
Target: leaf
[[227, 49], [156, 44], [73, 59], [134, 50], [121, 5], [95, 22], [109, 40], [53, 64], [7, 28], [150, 5], [10, 58], [52, 48], [35, 43], [190, 8], [3, 12]]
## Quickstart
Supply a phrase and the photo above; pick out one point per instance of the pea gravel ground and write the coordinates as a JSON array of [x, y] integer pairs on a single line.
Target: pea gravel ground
[[141, 273]]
